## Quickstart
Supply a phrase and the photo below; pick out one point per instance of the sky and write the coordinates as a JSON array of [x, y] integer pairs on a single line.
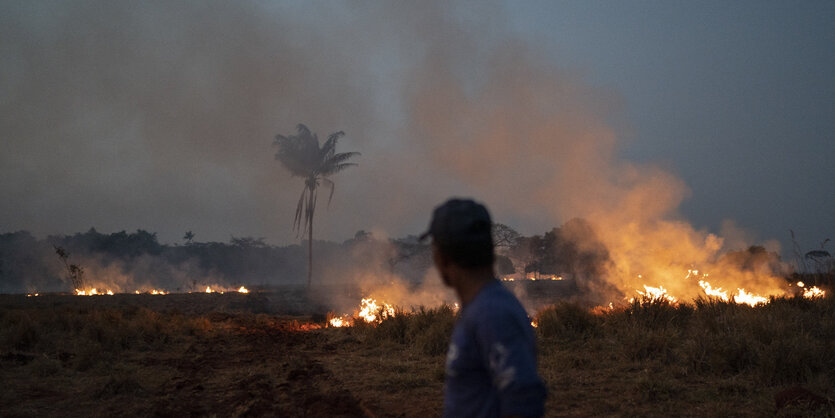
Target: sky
[[161, 115]]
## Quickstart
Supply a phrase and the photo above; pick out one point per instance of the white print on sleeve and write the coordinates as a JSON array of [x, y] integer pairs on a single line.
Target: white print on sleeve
[[503, 374], [451, 356]]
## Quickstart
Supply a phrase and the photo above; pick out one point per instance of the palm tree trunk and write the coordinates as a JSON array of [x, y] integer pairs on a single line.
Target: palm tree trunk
[[310, 243]]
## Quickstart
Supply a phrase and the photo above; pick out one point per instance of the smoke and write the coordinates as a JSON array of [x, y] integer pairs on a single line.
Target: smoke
[[531, 139], [160, 116]]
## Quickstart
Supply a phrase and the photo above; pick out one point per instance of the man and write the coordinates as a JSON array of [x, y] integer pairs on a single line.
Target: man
[[491, 362]]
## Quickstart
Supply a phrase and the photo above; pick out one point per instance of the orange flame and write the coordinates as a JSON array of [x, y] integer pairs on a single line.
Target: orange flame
[[656, 293], [812, 292], [92, 292], [337, 322], [718, 292], [369, 309], [749, 298]]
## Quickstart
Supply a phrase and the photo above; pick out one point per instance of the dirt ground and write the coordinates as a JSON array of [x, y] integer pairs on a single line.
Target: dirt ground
[[238, 364], [236, 355]]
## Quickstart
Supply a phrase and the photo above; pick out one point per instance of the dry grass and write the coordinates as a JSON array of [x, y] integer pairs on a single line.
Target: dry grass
[[710, 358]]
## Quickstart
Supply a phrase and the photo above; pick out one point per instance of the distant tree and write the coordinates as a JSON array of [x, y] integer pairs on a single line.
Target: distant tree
[[188, 237], [248, 242], [572, 249], [74, 272], [303, 157], [504, 237], [504, 265]]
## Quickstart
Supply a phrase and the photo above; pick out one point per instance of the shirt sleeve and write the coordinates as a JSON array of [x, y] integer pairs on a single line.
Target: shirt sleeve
[[508, 347]]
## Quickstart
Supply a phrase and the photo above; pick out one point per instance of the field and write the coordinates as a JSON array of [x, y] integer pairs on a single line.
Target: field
[[256, 355]]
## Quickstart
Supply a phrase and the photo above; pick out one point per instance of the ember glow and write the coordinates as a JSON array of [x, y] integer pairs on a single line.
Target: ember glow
[[208, 289]]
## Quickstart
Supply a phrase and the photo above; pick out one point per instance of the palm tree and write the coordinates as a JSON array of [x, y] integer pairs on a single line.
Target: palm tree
[[303, 157]]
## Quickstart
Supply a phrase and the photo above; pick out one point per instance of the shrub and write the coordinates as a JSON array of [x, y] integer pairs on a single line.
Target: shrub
[[566, 320], [654, 313], [426, 330]]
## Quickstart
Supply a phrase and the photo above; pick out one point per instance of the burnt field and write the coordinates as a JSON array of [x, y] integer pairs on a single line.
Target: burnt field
[[269, 353]]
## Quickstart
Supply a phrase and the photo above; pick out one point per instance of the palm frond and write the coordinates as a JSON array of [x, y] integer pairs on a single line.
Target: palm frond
[[299, 208], [302, 130], [298, 153], [340, 158], [330, 184], [336, 168], [329, 147]]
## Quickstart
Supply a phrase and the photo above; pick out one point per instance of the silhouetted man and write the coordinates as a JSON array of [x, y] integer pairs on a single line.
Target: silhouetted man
[[491, 361]]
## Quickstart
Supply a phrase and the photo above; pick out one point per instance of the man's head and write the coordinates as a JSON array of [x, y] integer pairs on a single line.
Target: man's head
[[462, 240]]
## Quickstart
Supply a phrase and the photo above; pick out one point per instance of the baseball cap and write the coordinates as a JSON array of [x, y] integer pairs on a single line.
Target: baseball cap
[[459, 222]]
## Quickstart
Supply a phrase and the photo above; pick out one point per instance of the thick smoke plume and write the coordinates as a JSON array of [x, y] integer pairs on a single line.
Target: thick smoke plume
[[161, 115], [534, 140]]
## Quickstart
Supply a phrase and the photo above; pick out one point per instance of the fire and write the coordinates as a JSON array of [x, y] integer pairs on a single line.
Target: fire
[[369, 309], [96, 291], [749, 298], [710, 291], [337, 322], [656, 293], [92, 292], [307, 326], [741, 297], [812, 292]]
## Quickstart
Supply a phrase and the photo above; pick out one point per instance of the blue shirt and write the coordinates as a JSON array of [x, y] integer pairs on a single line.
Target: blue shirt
[[491, 361]]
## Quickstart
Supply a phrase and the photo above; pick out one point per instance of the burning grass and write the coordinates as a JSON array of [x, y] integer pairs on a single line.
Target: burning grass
[[650, 358]]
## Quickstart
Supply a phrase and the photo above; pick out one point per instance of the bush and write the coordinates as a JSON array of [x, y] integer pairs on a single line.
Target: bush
[[654, 313], [425, 330], [566, 321]]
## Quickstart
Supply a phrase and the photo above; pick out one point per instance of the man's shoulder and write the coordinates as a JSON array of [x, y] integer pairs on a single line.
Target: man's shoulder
[[495, 302]]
